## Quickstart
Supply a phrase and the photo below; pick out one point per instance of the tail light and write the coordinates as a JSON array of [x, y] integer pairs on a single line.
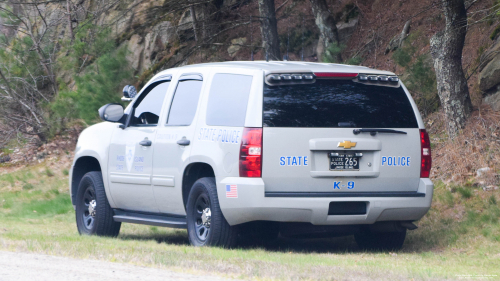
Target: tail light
[[426, 162], [251, 153]]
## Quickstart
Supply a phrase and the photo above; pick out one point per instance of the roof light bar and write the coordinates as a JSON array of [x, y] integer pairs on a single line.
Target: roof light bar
[[335, 75], [290, 78], [377, 78]]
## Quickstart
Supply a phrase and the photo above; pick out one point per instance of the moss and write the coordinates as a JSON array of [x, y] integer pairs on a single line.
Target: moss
[[495, 33]]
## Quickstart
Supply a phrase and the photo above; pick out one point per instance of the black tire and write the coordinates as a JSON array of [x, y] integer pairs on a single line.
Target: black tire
[[380, 241], [219, 233], [101, 224]]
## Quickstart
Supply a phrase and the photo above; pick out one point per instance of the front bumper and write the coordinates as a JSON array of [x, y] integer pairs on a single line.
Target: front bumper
[[252, 205]]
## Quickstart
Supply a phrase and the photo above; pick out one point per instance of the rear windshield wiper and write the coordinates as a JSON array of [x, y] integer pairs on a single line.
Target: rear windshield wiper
[[375, 131]]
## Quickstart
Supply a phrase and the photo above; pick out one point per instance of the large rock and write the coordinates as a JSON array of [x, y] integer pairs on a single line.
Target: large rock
[[156, 41], [489, 76], [346, 29], [165, 32], [493, 99], [136, 48], [236, 45]]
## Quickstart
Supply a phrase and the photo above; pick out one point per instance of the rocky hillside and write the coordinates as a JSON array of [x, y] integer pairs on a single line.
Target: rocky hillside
[[79, 43]]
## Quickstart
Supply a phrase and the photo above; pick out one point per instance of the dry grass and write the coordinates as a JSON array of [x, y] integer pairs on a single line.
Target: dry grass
[[477, 147]]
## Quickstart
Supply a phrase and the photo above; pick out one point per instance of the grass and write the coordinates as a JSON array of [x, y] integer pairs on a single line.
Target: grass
[[459, 235]]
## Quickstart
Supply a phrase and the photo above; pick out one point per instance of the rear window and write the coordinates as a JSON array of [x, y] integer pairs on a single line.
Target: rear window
[[337, 103]]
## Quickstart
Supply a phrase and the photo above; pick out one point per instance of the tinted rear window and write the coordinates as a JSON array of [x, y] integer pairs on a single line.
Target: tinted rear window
[[335, 103]]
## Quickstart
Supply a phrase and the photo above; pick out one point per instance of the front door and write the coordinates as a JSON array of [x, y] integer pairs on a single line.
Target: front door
[[172, 145], [131, 152]]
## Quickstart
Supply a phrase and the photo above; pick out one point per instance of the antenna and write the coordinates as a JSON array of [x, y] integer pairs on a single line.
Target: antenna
[[267, 54], [251, 38], [302, 56], [288, 36]]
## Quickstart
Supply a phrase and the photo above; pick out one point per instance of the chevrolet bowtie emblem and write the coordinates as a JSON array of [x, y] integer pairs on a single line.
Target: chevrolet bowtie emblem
[[346, 144]]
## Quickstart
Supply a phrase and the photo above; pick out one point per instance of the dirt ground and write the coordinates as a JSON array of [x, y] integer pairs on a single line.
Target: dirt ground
[[22, 266]]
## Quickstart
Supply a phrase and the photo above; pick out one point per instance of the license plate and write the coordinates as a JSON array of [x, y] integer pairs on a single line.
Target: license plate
[[342, 162]]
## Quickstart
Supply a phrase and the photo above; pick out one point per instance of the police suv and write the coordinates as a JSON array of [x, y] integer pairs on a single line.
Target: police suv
[[240, 150]]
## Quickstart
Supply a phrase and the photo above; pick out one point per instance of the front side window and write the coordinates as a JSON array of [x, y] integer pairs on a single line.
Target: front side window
[[184, 103], [147, 109], [228, 99]]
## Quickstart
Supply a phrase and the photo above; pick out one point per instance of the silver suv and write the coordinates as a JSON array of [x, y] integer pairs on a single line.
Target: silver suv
[[253, 150]]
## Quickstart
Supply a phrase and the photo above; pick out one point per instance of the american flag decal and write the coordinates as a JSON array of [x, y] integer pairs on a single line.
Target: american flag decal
[[231, 191]]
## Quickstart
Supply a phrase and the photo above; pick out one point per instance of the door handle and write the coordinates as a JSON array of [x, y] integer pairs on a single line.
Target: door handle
[[183, 141], [146, 143]]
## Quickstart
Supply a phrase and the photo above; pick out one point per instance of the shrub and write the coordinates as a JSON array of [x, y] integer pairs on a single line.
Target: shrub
[[419, 77], [465, 192], [48, 172], [331, 53], [98, 86], [28, 186]]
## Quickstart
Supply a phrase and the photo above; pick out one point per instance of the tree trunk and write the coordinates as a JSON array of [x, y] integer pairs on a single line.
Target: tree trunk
[[70, 24], [327, 25], [269, 29], [446, 51]]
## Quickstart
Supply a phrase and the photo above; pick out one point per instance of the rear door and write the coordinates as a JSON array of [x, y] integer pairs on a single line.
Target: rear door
[[309, 142], [174, 142]]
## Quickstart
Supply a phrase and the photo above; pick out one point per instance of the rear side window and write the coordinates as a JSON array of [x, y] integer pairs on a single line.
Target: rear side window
[[332, 103], [228, 99], [185, 102]]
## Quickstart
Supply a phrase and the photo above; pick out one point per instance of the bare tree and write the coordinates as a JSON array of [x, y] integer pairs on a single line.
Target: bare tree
[[269, 29], [70, 22], [446, 51], [327, 25]]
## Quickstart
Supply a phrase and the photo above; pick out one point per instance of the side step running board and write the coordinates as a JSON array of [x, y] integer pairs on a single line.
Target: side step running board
[[165, 220]]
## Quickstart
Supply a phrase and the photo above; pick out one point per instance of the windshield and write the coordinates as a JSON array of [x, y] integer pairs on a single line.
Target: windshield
[[337, 103]]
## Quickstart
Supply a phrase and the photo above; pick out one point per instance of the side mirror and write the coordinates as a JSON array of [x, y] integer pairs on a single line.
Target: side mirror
[[129, 93], [111, 112]]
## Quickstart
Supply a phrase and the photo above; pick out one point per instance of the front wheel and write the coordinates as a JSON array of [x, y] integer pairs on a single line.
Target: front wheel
[[205, 221], [94, 216]]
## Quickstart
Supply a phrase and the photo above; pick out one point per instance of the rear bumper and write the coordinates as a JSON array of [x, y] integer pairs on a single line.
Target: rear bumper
[[253, 204]]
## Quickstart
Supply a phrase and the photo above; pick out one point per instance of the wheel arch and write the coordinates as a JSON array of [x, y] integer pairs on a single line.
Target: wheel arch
[[82, 166], [192, 173]]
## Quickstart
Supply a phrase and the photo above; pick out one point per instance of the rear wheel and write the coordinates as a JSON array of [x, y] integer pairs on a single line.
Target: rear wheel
[[94, 216], [382, 241], [206, 223]]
